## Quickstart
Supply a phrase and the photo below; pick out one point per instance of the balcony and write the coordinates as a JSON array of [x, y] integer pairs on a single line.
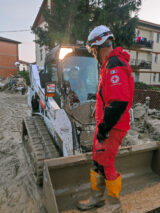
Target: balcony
[[142, 42], [140, 64]]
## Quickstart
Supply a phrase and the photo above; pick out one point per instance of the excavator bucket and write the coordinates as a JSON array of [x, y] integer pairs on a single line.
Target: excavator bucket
[[66, 180]]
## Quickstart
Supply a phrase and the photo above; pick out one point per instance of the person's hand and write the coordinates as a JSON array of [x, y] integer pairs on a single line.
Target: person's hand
[[102, 134]]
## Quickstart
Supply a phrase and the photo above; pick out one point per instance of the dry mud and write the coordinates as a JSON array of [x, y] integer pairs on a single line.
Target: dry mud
[[18, 191]]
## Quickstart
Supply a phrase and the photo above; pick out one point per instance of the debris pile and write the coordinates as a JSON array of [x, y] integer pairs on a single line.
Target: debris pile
[[145, 127], [13, 84], [3, 84]]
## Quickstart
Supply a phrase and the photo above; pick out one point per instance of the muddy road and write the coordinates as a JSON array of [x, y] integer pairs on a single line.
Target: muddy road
[[18, 191]]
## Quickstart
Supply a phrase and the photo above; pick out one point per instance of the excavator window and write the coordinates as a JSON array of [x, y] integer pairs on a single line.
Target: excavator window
[[81, 73]]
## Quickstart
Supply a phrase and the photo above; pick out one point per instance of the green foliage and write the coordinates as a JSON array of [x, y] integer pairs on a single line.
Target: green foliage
[[117, 15], [71, 20], [24, 74], [141, 85], [60, 23]]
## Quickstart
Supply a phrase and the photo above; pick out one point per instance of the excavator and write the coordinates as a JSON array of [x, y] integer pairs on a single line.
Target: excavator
[[58, 131], [61, 106]]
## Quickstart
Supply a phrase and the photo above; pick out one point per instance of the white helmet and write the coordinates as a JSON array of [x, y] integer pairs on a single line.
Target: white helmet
[[98, 36]]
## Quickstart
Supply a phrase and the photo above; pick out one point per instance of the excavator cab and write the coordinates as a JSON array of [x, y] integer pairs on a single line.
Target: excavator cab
[[75, 73], [80, 76]]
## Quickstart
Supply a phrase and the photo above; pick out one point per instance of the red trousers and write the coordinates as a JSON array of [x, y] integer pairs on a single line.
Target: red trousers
[[104, 154]]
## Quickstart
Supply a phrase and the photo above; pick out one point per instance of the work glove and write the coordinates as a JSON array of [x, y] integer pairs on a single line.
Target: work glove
[[102, 133]]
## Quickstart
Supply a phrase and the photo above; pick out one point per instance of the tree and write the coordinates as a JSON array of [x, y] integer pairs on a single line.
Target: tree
[[71, 20], [59, 23], [121, 17]]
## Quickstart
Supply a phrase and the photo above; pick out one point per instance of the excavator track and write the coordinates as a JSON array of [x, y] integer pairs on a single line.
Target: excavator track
[[38, 144]]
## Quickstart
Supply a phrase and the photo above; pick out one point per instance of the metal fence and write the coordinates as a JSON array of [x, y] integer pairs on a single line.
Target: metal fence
[[140, 96], [143, 42], [140, 64]]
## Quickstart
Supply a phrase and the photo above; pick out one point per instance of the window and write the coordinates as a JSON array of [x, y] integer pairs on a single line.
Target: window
[[158, 37], [52, 69], [81, 73], [156, 58], [41, 54], [46, 50], [159, 77], [138, 32], [136, 77], [24, 68], [154, 77]]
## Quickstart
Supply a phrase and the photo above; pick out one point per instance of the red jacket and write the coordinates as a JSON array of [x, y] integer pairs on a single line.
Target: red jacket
[[116, 84]]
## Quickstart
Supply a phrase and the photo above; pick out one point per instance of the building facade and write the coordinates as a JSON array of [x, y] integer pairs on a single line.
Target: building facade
[[145, 54], [8, 57], [40, 22], [24, 65]]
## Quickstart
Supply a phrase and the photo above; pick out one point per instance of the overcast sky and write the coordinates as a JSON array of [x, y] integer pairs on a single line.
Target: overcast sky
[[20, 15]]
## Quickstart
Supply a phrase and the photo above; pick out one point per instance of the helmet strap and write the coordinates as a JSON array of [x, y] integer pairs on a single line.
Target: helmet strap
[[98, 67], [98, 55], [98, 58]]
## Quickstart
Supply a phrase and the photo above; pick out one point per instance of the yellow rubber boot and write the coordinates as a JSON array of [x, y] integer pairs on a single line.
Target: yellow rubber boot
[[97, 192], [114, 186], [113, 204]]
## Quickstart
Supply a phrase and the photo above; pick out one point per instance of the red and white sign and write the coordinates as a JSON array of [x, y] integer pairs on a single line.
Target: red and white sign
[[115, 79], [51, 88]]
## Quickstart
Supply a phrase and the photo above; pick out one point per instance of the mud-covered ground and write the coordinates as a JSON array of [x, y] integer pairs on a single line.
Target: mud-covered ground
[[18, 191]]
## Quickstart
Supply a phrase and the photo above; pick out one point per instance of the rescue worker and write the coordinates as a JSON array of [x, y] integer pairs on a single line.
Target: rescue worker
[[113, 101]]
